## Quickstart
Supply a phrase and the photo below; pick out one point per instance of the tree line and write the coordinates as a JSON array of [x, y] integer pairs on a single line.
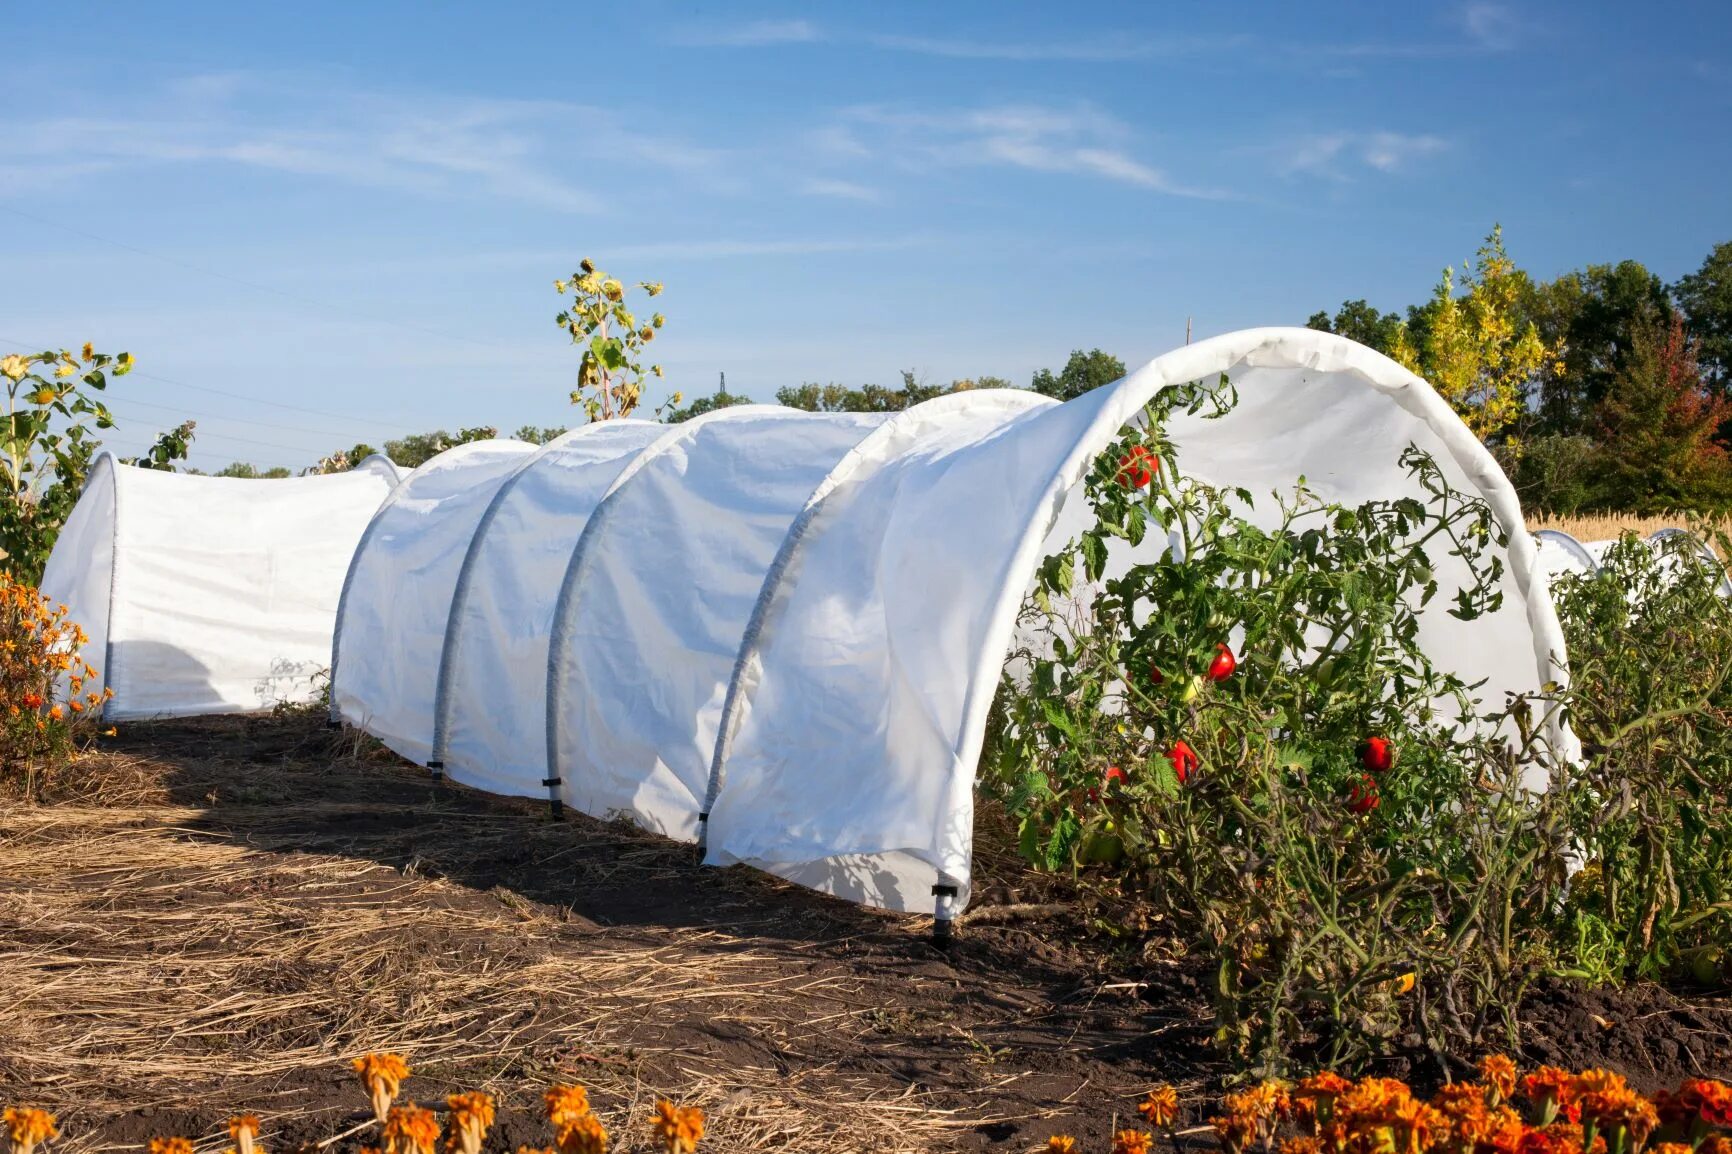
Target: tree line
[[1604, 388]]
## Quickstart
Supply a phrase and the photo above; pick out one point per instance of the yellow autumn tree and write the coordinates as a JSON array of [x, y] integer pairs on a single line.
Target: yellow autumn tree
[[1474, 347]]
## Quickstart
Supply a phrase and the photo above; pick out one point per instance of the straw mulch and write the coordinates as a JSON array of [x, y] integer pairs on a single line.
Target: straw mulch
[[215, 917]]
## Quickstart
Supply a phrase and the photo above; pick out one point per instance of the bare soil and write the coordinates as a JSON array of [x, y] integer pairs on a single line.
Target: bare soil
[[208, 917]]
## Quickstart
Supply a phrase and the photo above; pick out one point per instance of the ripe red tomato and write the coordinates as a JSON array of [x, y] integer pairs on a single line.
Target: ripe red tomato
[[1376, 754], [1185, 761], [1363, 797], [1155, 675], [1222, 667], [1137, 467]]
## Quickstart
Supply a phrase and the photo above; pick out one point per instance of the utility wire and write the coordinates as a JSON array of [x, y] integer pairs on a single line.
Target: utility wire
[[395, 426]]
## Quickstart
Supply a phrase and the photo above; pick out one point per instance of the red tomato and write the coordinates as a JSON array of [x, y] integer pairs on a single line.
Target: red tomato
[[1155, 674], [1185, 761], [1363, 798], [1222, 667], [1376, 754], [1137, 467]]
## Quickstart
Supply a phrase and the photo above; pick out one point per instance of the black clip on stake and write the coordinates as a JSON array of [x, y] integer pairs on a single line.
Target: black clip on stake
[[436, 769], [554, 804], [942, 934]]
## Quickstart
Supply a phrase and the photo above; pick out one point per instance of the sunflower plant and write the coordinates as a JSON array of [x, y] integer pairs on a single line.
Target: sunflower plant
[[611, 373], [53, 408], [1242, 730]]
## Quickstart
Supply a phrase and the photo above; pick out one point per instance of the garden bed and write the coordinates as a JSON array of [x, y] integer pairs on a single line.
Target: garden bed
[[208, 917]]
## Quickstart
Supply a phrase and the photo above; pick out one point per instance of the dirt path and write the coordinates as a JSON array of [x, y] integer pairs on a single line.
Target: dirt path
[[229, 910]]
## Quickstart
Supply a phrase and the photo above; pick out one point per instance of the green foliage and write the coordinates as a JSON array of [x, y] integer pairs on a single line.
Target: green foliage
[[1650, 643], [834, 398], [1657, 421], [720, 399], [1359, 321], [1242, 805], [538, 436], [1705, 296], [248, 471], [1553, 473], [53, 410], [1592, 317], [610, 374], [1084, 371], [170, 447]]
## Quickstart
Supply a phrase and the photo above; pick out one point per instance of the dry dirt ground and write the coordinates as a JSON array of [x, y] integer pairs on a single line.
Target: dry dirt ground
[[215, 916]]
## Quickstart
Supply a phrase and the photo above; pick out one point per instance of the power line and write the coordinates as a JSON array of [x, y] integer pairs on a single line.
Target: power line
[[305, 300], [113, 402], [382, 423]]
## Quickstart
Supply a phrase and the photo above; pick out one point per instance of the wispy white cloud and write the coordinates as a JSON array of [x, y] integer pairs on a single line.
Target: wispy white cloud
[[1341, 155], [514, 150], [1103, 50], [1492, 26], [839, 189], [1080, 140], [752, 34]]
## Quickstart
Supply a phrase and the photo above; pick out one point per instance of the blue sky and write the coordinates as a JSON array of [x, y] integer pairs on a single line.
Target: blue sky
[[323, 222]]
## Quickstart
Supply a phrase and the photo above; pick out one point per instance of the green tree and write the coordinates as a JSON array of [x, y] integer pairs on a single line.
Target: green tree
[[52, 415], [1359, 321], [1656, 426], [1084, 371], [538, 436], [417, 449], [1478, 350], [248, 471], [1705, 296], [834, 398], [720, 399], [1590, 317]]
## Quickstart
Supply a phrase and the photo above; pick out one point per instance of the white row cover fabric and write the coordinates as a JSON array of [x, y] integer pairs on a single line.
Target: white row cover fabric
[[396, 599], [209, 594], [795, 623], [1561, 553], [491, 707]]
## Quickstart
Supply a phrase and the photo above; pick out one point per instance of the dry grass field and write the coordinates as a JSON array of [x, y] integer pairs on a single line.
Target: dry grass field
[[1605, 526]]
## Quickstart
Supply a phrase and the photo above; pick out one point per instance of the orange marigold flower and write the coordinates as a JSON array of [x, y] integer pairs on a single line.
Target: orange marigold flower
[[28, 1127], [244, 1131], [56, 713], [1715, 1145], [584, 1136], [411, 1129], [1236, 1131], [565, 1105], [1618, 1108], [1304, 1144], [1061, 1144], [1131, 1142], [1671, 1148], [471, 1115], [679, 1127], [170, 1146], [1552, 1090], [32, 700], [1161, 1108], [382, 1075], [1499, 1073], [1707, 1099]]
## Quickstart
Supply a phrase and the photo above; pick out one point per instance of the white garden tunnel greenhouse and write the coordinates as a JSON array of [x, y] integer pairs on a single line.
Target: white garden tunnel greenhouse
[[779, 633], [209, 594]]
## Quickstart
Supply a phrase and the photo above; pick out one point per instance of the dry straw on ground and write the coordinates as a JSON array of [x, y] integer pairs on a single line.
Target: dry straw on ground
[[152, 965]]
